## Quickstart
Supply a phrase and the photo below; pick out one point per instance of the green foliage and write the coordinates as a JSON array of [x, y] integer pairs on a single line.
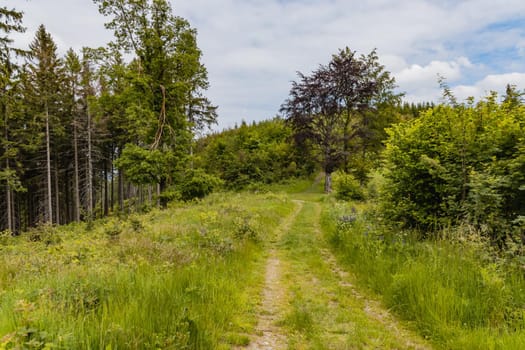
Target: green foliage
[[347, 187], [144, 166], [375, 184], [198, 184], [457, 163], [5, 237], [257, 154], [45, 233]]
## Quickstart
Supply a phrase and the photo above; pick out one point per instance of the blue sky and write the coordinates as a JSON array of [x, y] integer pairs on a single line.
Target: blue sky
[[253, 48]]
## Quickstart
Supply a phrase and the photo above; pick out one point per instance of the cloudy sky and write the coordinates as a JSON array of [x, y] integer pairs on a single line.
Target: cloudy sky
[[253, 48]]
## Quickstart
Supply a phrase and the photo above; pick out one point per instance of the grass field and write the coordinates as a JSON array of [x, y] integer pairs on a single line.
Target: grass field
[[453, 291], [197, 276], [187, 277]]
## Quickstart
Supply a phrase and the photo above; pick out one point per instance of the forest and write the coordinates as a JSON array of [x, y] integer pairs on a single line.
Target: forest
[[128, 222]]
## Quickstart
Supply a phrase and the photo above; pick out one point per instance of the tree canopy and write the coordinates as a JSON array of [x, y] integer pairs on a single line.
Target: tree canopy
[[335, 105], [69, 122]]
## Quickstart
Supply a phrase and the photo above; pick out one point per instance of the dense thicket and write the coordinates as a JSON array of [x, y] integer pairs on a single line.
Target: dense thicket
[[460, 163], [257, 153]]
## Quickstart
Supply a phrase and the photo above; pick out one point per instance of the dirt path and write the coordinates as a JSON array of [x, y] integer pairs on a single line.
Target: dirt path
[[269, 334], [309, 301]]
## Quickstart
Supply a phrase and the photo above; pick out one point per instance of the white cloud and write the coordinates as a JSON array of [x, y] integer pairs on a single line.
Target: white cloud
[[416, 76], [492, 82], [478, 90], [252, 48]]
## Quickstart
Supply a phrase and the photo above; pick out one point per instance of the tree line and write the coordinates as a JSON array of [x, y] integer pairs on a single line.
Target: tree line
[[86, 133], [441, 166], [92, 133]]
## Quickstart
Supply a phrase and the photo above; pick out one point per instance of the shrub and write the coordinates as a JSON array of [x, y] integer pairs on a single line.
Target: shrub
[[375, 184], [455, 164], [5, 237], [45, 233], [198, 184], [347, 187]]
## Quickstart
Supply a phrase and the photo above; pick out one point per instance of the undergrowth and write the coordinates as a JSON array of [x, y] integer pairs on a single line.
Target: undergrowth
[[456, 292]]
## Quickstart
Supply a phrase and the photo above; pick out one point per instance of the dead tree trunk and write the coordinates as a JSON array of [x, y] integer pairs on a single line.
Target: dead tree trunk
[[49, 218], [76, 177]]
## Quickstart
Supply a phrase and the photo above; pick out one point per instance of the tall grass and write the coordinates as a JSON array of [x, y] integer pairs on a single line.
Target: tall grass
[[452, 291], [184, 278]]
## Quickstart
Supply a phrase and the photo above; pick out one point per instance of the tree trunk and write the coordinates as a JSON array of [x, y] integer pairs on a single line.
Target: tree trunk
[[8, 207], [106, 201], [77, 184], [57, 193], [67, 199], [120, 190], [328, 182], [158, 195], [191, 154], [89, 168], [112, 182], [49, 218], [8, 187]]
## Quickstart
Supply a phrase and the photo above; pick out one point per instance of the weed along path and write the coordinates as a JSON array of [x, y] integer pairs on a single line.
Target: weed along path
[[309, 302]]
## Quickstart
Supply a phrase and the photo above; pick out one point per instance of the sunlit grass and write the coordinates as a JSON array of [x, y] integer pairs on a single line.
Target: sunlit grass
[[323, 312], [184, 278], [451, 291]]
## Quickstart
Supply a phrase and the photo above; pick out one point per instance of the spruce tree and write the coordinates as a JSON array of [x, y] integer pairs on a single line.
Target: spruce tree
[[10, 21], [45, 77]]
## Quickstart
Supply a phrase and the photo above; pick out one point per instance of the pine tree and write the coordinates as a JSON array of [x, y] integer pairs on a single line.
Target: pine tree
[[10, 21], [46, 76], [73, 70]]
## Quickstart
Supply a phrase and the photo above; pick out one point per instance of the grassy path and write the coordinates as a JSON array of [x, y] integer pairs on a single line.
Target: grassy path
[[309, 302], [269, 335]]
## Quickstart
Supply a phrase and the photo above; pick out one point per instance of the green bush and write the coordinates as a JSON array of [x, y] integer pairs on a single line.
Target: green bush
[[347, 187], [198, 184], [376, 182], [457, 164]]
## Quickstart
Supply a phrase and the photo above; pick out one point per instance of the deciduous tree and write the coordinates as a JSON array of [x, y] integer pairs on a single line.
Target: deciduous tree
[[166, 74], [336, 104]]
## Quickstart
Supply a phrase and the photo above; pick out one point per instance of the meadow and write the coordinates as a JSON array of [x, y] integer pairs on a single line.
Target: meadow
[[184, 278], [457, 290], [192, 276]]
